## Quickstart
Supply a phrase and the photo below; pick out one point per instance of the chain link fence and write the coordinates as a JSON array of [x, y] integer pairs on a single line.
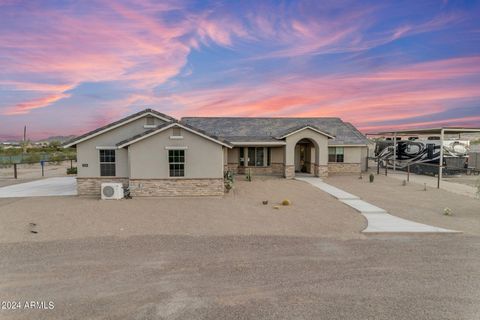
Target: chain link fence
[[34, 170]]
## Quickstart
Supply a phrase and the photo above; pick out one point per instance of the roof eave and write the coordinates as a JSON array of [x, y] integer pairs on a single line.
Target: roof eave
[[126, 143], [117, 124]]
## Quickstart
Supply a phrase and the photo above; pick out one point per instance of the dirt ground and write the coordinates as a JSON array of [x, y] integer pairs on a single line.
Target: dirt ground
[[411, 202], [313, 214], [432, 277], [30, 172], [471, 180]]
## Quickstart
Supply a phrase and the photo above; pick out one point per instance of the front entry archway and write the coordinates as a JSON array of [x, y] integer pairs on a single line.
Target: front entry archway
[[306, 150], [304, 158]]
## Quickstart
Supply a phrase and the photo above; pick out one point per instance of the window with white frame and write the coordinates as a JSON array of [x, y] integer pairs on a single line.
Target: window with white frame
[[107, 163], [335, 154], [176, 163]]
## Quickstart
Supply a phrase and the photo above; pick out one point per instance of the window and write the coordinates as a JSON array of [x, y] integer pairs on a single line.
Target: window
[[242, 157], [107, 163], [176, 162], [257, 157], [335, 154]]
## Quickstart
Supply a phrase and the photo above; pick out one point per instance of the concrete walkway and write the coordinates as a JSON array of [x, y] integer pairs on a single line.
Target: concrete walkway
[[378, 219], [60, 186]]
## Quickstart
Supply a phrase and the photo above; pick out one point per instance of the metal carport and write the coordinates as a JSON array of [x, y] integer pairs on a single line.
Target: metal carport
[[429, 131]]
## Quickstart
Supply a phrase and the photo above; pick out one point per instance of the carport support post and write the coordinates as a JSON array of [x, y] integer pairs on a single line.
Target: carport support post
[[440, 167], [394, 151], [15, 170]]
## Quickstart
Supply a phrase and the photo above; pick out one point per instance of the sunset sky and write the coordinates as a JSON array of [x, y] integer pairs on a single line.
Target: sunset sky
[[67, 67]]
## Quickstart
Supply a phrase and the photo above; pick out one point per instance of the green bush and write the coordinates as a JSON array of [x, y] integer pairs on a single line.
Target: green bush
[[72, 170], [248, 177], [33, 157], [228, 180]]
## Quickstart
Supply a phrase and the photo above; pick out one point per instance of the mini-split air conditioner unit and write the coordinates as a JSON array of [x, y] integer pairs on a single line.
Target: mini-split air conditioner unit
[[112, 191]]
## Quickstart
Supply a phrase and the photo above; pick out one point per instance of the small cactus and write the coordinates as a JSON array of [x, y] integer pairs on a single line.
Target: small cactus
[[371, 177], [447, 212], [248, 177]]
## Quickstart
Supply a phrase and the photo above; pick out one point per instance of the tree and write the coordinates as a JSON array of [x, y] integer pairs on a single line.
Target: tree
[[55, 144]]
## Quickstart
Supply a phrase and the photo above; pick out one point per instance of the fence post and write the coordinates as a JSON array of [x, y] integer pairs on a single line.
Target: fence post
[[71, 164], [386, 168], [15, 170], [42, 163], [378, 165], [438, 180], [408, 172]]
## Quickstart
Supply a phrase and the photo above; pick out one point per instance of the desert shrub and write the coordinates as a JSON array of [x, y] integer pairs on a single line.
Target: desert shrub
[[72, 170], [248, 177], [33, 157], [371, 177], [228, 180], [286, 202]]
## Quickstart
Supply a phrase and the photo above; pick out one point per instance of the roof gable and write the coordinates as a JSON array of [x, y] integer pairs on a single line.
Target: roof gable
[[166, 126], [291, 131], [117, 124]]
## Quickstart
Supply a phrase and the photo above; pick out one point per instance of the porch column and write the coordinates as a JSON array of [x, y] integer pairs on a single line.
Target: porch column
[[289, 160]]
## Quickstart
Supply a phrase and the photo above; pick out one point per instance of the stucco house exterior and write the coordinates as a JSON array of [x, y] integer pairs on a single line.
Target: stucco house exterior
[[157, 155]]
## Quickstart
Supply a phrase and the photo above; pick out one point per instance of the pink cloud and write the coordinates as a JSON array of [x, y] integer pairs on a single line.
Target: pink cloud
[[27, 106], [388, 95]]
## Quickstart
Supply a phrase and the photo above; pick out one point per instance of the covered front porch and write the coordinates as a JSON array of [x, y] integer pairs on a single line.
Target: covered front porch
[[303, 151]]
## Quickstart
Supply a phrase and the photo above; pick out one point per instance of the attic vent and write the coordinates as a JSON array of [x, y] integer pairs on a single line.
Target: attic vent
[[177, 132], [150, 121]]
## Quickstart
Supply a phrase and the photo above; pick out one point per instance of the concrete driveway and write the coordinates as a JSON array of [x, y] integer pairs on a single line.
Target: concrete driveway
[[60, 186]]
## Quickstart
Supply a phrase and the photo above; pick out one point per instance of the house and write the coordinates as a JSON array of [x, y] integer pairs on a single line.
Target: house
[[157, 155]]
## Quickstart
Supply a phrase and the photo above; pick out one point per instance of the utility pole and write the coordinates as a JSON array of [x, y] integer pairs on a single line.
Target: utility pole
[[24, 139]]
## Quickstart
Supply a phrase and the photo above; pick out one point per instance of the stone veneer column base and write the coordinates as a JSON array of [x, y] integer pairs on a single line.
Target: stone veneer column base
[[321, 171], [92, 186], [289, 171], [176, 187]]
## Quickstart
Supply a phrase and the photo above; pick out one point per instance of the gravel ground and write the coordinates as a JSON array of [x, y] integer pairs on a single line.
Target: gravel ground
[[312, 213], [411, 202], [472, 180], [245, 277]]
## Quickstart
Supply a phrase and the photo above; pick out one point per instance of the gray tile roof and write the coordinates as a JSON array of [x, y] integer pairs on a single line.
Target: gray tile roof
[[267, 129]]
